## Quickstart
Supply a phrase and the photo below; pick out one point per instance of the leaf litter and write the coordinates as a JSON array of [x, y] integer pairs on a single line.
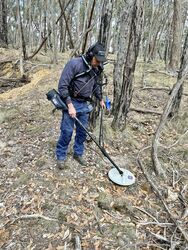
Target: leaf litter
[[80, 201]]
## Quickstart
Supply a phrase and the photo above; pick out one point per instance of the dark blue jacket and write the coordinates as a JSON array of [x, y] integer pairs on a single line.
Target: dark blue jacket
[[84, 86]]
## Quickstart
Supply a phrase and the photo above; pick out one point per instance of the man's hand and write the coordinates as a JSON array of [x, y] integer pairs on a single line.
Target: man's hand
[[102, 104], [71, 110]]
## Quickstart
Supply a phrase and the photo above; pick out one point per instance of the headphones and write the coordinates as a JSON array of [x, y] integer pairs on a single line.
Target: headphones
[[89, 52]]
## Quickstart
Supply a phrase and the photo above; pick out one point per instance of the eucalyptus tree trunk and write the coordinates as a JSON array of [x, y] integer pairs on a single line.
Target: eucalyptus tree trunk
[[149, 27], [130, 42], [40, 25], [21, 34], [54, 34], [3, 24], [61, 34], [177, 36], [121, 48], [105, 24], [78, 21], [116, 26], [30, 32], [45, 25], [174, 96], [61, 31]]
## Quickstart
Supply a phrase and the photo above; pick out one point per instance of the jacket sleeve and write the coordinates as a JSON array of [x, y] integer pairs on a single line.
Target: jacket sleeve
[[67, 76]]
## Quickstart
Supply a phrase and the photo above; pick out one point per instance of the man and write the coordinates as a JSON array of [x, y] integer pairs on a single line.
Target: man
[[77, 84]]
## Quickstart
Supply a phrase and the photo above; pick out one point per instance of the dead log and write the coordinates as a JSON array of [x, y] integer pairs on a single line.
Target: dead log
[[158, 89], [146, 111], [174, 74], [167, 89], [23, 79], [5, 61]]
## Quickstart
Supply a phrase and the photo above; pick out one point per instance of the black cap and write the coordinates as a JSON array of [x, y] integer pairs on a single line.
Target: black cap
[[99, 52]]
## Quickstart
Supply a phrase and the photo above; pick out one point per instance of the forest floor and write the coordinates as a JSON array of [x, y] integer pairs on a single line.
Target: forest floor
[[44, 208]]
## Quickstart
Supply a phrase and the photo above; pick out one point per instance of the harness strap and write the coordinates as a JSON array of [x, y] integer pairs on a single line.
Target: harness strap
[[77, 96]]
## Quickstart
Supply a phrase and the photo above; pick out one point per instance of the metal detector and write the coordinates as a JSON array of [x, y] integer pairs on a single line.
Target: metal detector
[[117, 175]]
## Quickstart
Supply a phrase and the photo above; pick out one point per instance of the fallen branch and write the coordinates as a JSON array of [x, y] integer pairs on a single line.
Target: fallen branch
[[167, 89], [29, 216], [142, 244], [162, 72], [160, 224], [158, 89], [148, 214], [146, 111], [160, 237], [158, 194], [77, 243]]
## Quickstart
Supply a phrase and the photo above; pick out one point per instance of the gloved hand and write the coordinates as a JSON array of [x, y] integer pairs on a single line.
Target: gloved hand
[[71, 110]]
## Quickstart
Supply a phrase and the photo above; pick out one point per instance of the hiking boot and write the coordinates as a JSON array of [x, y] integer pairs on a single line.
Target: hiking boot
[[80, 160], [61, 164]]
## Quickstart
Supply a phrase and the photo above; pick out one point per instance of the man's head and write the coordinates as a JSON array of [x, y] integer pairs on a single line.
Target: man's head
[[96, 54]]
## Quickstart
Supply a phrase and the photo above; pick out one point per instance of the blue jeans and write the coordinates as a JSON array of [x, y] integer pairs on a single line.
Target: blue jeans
[[67, 126]]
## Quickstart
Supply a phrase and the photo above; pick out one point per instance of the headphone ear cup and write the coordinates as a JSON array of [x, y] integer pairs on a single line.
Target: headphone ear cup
[[91, 54]]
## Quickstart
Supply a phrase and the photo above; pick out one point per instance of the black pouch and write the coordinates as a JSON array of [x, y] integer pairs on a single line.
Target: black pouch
[[56, 99]]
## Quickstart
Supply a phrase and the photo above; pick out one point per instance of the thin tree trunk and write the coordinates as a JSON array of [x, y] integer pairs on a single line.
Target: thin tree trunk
[[177, 87], [30, 27], [47, 36], [150, 29], [3, 24], [67, 25], [78, 19], [84, 30], [88, 26], [61, 31], [54, 34], [177, 36], [45, 25], [20, 27]]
